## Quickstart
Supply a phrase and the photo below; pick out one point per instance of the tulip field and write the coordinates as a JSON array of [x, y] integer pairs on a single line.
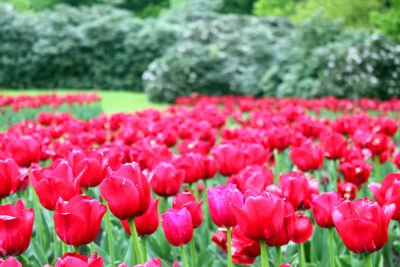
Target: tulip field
[[206, 182]]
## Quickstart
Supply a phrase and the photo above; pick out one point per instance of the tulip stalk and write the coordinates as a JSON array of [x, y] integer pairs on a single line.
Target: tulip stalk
[[264, 254], [335, 173], [185, 263], [76, 249], [277, 166], [301, 255], [331, 252], [135, 238], [368, 260], [192, 252], [109, 237], [278, 255], [144, 247], [377, 167], [229, 240]]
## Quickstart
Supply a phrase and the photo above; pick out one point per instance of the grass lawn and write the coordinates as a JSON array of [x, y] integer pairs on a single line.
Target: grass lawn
[[113, 101]]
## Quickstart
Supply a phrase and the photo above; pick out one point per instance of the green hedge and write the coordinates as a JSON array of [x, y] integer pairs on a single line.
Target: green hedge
[[87, 47]]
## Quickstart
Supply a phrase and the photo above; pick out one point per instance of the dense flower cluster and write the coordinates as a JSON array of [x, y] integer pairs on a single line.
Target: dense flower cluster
[[270, 167]]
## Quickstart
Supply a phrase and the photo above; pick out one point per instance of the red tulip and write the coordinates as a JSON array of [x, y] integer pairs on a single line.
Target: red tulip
[[229, 159], [147, 223], [347, 190], [378, 143], [322, 207], [255, 178], [334, 146], [303, 228], [16, 228], [10, 262], [126, 191], [192, 165], [77, 260], [88, 166], [244, 250], [297, 188], [188, 200], [78, 220], [388, 192], [258, 225], [363, 224], [24, 150], [220, 201], [307, 156], [45, 118], [356, 171], [155, 262], [54, 182], [177, 226], [386, 126], [166, 180], [10, 177], [285, 234]]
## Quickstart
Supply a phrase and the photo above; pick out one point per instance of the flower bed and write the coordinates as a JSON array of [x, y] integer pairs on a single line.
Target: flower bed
[[260, 182]]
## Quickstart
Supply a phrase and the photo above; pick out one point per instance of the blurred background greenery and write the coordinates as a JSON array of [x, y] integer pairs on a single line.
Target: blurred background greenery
[[170, 48]]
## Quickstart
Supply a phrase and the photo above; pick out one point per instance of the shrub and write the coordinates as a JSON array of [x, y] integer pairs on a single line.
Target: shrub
[[223, 55], [86, 47]]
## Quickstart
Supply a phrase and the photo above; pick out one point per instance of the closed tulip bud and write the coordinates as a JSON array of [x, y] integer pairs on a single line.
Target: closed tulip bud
[[334, 146], [10, 262], [285, 234], [297, 188], [88, 166], [258, 225], [24, 150], [147, 223], [322, 207], [303, 228], [126, 191], [16, 228], [188, 200], [10, 177], [388, 192], [166, 180], [220, 201], [229, 159], [77, 260], [363, 224], [177, 226], [54, 182], [307, 156], [78, 220]]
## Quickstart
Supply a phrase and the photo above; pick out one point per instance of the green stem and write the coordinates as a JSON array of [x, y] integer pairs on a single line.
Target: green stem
[[301, 255], [91, 246], [229, 237], [206, 211], [110, 237], [165, 205], [377, 167], [351, 259], [278, 255], [277, 166], [335, 173], [39, 220], [55, 244], [184, 257], [196, 191], [144, 247], [331, 254], [193, 252], [264, 254], [135, 238], [76, 249], [368, 260], [86, 191], [64, 248]]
